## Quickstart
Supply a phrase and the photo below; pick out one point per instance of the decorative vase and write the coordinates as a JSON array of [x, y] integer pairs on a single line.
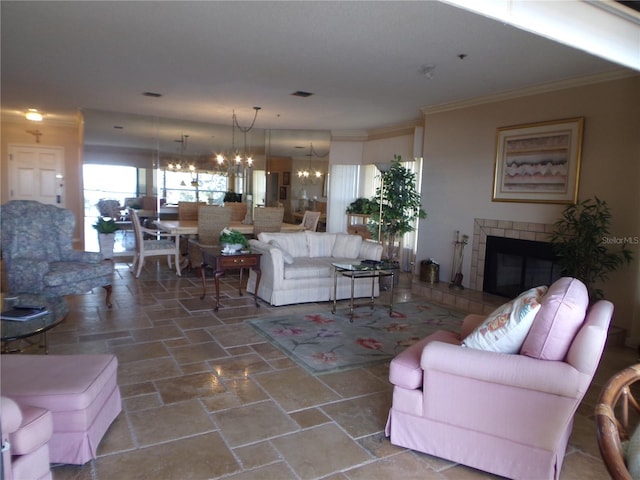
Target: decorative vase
[[231, 247], [106, 241]]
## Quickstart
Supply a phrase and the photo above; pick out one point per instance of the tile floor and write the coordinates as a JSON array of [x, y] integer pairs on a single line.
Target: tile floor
[[205, 396]]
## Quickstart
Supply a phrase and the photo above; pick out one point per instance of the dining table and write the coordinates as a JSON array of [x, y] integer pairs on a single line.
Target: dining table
[[190, 227]]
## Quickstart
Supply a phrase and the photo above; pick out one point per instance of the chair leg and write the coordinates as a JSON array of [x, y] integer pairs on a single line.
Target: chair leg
[[140, 263], [177, 262], [109, 290]]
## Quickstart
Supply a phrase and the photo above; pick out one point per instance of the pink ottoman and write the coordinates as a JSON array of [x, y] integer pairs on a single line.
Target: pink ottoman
[[80, 391]]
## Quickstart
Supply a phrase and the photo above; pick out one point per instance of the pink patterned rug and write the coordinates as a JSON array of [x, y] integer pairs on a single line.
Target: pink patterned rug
[[324, 342]]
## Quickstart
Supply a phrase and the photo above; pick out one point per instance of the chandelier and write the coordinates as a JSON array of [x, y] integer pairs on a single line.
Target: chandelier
[[235, 163], [180, 164], [308, 175]]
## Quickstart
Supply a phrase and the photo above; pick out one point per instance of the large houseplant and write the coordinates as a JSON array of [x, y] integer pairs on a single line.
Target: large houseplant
[[400, 207], [579, 240]]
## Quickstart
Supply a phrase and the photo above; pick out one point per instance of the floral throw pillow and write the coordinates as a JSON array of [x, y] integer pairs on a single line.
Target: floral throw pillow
[[505, 329]]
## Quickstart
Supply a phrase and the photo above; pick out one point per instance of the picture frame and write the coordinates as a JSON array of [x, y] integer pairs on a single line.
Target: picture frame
[[286, 178], [283, 193], [538, 162]]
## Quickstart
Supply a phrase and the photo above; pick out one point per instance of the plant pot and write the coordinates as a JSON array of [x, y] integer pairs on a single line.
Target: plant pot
[[106, 241], [231, 247]]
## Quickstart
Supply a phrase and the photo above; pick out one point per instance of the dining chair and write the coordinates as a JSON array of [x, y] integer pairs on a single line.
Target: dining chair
[[267, 219], [189, 210], [211, 220], [310, 220], [162, 243], [238, 209]]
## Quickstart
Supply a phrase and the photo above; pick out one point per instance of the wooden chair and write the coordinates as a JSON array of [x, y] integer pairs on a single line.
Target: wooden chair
[[267, 219], [310, 220], [162, 244], [211, 221], [617, 412]]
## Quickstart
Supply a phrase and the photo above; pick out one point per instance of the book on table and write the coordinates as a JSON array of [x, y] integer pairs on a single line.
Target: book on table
[[23, 313]]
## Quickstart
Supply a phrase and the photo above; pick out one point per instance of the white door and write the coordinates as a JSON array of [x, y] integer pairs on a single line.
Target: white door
[[36, 173]]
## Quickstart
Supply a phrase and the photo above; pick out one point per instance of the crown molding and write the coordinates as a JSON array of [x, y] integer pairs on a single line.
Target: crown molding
[[536, 90]]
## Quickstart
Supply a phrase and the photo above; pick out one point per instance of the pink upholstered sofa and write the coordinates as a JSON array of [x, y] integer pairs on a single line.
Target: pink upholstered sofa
[[510, 414], [26, 432], [80, 392]]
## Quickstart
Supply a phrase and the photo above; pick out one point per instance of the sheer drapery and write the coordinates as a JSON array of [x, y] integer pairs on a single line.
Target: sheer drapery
[[343, 189]]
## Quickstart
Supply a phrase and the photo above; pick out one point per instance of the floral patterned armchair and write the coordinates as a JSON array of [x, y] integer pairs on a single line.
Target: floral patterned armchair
[[38, 254]]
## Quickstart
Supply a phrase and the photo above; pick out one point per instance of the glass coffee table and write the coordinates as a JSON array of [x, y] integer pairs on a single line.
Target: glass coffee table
[[12, 331], [360, 269]]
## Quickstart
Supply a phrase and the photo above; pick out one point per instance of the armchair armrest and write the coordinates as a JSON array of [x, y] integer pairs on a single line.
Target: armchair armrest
[[82, 256], [158, 233], [520, 371]]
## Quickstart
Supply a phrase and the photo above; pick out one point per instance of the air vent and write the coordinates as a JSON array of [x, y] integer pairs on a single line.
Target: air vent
[[152, 94], [118, 127], [302, 93]]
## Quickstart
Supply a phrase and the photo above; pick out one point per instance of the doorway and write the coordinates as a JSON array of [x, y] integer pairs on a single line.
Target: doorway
[[37, 173]]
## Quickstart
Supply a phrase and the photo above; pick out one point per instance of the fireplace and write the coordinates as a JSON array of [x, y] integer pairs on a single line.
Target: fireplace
[[513, 265]]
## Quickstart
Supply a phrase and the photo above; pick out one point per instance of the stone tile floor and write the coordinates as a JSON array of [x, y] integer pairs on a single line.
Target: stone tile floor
[[206, 397]]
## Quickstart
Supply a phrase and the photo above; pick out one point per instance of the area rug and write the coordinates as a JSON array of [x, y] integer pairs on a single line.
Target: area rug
[[323, 342]]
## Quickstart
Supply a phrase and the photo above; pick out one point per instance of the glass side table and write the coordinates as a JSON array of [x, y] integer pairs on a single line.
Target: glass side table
[[361, 269], [20, 331]]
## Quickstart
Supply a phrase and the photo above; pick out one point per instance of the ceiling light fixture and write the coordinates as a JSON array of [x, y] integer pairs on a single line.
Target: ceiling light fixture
[[308, 175], [235, 162], [33, 115]]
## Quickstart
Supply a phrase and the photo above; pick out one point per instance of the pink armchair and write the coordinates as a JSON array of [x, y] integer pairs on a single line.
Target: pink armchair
[[26, 431], [504, 413]]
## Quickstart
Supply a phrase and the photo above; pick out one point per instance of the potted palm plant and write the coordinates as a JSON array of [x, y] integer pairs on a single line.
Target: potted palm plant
[[579, 240], [106, 229]]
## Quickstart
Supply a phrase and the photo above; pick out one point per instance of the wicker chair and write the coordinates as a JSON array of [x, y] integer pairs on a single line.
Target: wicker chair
[[189, 210], [615, 421], [267, 219], [238, 210], [310, 220], [211, 221]]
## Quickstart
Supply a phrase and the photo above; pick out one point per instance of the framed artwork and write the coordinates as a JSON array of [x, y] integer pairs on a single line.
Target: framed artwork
[[539, 162], [283, 193], [286, 178]]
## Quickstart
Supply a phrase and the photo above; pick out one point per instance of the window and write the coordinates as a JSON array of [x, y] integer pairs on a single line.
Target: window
[[109, 182], [192, 187]]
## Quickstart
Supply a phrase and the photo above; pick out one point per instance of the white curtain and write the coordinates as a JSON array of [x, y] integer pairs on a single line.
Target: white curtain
[[343, 189]]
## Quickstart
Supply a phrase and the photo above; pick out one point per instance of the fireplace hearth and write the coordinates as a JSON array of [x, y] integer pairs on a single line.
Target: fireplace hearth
[[513, 265]]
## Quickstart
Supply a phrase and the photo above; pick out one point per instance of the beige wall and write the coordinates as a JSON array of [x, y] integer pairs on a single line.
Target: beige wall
[[67, 137], [459, 152]]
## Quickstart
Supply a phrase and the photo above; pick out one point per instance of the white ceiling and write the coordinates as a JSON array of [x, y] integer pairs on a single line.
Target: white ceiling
[[361, 60]]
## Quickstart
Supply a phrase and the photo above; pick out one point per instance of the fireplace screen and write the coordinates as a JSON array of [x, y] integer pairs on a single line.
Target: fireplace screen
[[513, 266]]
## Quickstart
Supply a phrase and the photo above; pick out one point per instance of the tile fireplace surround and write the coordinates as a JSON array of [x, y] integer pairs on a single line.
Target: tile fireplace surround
[[483, 227], [472, 298]]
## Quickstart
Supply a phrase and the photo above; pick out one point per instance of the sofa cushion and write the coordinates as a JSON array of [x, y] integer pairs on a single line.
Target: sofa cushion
[[561, 314], [35, 431], [346, 246], [305, 268], [505, 329], [288, 259], [320, 244], [295, 244]]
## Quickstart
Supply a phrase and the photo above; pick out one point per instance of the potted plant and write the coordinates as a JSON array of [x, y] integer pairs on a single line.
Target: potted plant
[[106, 235], [400, 207], [361, 206], [232, 240], [579, 239]]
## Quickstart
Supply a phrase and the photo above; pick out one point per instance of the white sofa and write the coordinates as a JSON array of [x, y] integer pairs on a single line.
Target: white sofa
[[296, 267]]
